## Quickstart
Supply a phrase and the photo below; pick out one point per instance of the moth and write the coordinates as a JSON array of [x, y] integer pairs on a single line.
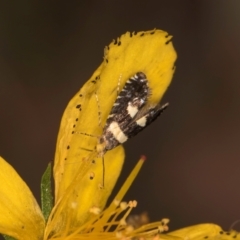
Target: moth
[[129, 114]]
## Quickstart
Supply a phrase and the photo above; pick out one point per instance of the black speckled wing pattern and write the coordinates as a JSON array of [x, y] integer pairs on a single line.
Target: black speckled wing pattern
[[128, 116]]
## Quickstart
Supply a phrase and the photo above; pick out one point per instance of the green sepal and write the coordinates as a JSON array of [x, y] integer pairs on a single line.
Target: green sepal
[[46, 192]]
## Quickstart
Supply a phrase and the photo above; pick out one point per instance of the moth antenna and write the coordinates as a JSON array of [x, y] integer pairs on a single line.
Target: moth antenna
[[87, 134], [99, 111], [118, 84]]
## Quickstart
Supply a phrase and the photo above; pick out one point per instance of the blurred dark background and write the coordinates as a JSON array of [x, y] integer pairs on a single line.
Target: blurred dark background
[[48, 49]]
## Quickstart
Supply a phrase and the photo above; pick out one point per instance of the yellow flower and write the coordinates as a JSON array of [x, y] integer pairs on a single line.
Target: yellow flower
[[150, 52], [80, 196]]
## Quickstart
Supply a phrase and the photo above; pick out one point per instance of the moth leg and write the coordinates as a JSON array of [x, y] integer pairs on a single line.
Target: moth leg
[[86, 149], [103, 171]]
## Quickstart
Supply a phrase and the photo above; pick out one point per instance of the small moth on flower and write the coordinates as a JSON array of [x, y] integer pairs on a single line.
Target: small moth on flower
[[129, 115]]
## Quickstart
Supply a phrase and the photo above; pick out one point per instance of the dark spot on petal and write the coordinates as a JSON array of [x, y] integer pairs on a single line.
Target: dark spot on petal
[[72, 132], [74, 125], [65, 159], [106, 60], [78, 106], [76, 119], [93, 81], [142, 34], [131, 34], [152, 32], [80, 95], [119, 43], [91, 176], [68, 147], [221, 232], [206, 237]]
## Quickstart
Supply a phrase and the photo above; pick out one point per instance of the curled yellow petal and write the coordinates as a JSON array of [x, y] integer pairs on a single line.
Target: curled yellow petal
[[20, 216]]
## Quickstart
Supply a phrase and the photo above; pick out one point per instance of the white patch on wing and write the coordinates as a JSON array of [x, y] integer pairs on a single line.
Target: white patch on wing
[[110, 116], [117, 132], [132, 110], [142, 121]]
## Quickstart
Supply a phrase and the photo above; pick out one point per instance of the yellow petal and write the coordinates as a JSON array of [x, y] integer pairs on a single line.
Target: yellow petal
[[150, 52], [20, 215], [199, 231]]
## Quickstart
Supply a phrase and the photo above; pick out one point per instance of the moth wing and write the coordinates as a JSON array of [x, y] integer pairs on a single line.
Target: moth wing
[[130, 100], [143, 119]]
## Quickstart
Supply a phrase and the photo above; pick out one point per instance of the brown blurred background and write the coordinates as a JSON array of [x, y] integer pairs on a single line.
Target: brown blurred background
[[48, 49]]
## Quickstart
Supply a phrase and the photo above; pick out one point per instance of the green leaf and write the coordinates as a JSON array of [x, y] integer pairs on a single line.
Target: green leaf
[[46, 192], [6, 237]]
